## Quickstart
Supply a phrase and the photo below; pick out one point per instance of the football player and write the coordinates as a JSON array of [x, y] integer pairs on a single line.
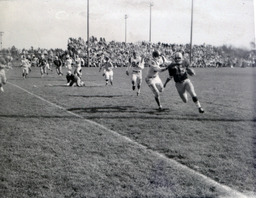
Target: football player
[[58, 63], [73, 79], [26, 66], [68, 63], [152, 79], [108, 71], [179, 71], [3, 65], [137, 65], [43, 65], [78, 66]]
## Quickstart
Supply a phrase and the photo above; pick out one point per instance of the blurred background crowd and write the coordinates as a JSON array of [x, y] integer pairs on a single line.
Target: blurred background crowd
[[119, 53]]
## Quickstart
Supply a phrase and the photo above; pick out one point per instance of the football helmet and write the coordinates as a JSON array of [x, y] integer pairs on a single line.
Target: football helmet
[[178, 57], [155, 54]]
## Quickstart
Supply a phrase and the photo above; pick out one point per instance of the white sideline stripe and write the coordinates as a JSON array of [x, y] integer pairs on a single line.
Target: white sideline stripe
[[108, 85], [47, 101], [232, 193]]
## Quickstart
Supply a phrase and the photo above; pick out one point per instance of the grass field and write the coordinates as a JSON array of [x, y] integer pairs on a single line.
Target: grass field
[[98, 141]]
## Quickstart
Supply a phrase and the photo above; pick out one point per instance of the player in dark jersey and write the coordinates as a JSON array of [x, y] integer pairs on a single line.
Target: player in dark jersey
[[179, 71], [43, 65], [73, 79], [58, 63]]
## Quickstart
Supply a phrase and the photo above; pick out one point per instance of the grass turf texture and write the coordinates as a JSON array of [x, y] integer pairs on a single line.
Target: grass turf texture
[[47, 152]]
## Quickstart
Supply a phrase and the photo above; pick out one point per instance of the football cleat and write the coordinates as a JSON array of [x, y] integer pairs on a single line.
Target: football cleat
[[201, 110]]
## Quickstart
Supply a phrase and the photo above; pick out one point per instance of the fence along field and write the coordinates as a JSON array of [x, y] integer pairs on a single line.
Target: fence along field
[[49, 152]]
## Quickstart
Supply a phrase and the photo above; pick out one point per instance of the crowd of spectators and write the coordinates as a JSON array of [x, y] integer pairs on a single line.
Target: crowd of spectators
[[202, 55], [119, 53]]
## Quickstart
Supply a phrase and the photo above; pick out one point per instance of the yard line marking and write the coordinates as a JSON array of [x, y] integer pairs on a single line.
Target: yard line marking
[[232, 192]]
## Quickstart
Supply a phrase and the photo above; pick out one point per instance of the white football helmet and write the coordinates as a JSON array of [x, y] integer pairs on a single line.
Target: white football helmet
[[178, 57]]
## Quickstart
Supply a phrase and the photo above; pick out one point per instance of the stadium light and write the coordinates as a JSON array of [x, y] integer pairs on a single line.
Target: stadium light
[[125, 17], [88, 36], [1, 34], [150, 5]]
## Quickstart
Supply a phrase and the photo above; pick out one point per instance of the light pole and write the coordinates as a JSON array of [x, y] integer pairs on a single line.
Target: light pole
[[150, 5], [88, 36], [125, 17], [191, 31], [1, 34]]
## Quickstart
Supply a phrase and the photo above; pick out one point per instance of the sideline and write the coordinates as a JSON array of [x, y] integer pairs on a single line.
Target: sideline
[[232, 193]]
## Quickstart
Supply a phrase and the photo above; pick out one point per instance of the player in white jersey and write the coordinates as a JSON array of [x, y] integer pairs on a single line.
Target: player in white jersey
[[108, 71], [9, 60], [34, 61], [26, 66], [78, 66], [137, 65], [156, 65], [68, 63], [3, 66]]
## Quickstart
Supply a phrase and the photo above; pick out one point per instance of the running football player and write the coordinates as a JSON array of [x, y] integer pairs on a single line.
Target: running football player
[[179, 71], [26, 66], [108, 71], [137, 65], [152, 79]]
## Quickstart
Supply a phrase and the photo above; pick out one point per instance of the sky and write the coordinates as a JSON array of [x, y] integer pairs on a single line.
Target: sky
[[49, 23]]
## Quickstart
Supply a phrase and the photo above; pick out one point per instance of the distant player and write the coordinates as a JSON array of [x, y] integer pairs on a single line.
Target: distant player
[[136, 63], [179, 71], [50, 62], [9, 60], [68, 63], [58, 64], [48, 67], [73, 79], [78, 66], [34, 61], [3, 65], [26, 66], [152, 79], [108, 71], [43, 65]]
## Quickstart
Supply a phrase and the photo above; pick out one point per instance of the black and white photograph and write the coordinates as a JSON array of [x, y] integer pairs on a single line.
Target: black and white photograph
[[127, 99]]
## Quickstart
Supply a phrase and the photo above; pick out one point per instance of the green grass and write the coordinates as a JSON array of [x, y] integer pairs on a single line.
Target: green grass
[[48, 152]]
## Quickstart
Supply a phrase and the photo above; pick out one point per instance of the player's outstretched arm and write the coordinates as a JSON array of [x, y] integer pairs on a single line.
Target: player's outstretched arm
[[112, 65], [165, 61], [142, 63], [163, 68], [190, 71], [167, 80], [128, 68], [9, 67], [2, 66], [101, 67]]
